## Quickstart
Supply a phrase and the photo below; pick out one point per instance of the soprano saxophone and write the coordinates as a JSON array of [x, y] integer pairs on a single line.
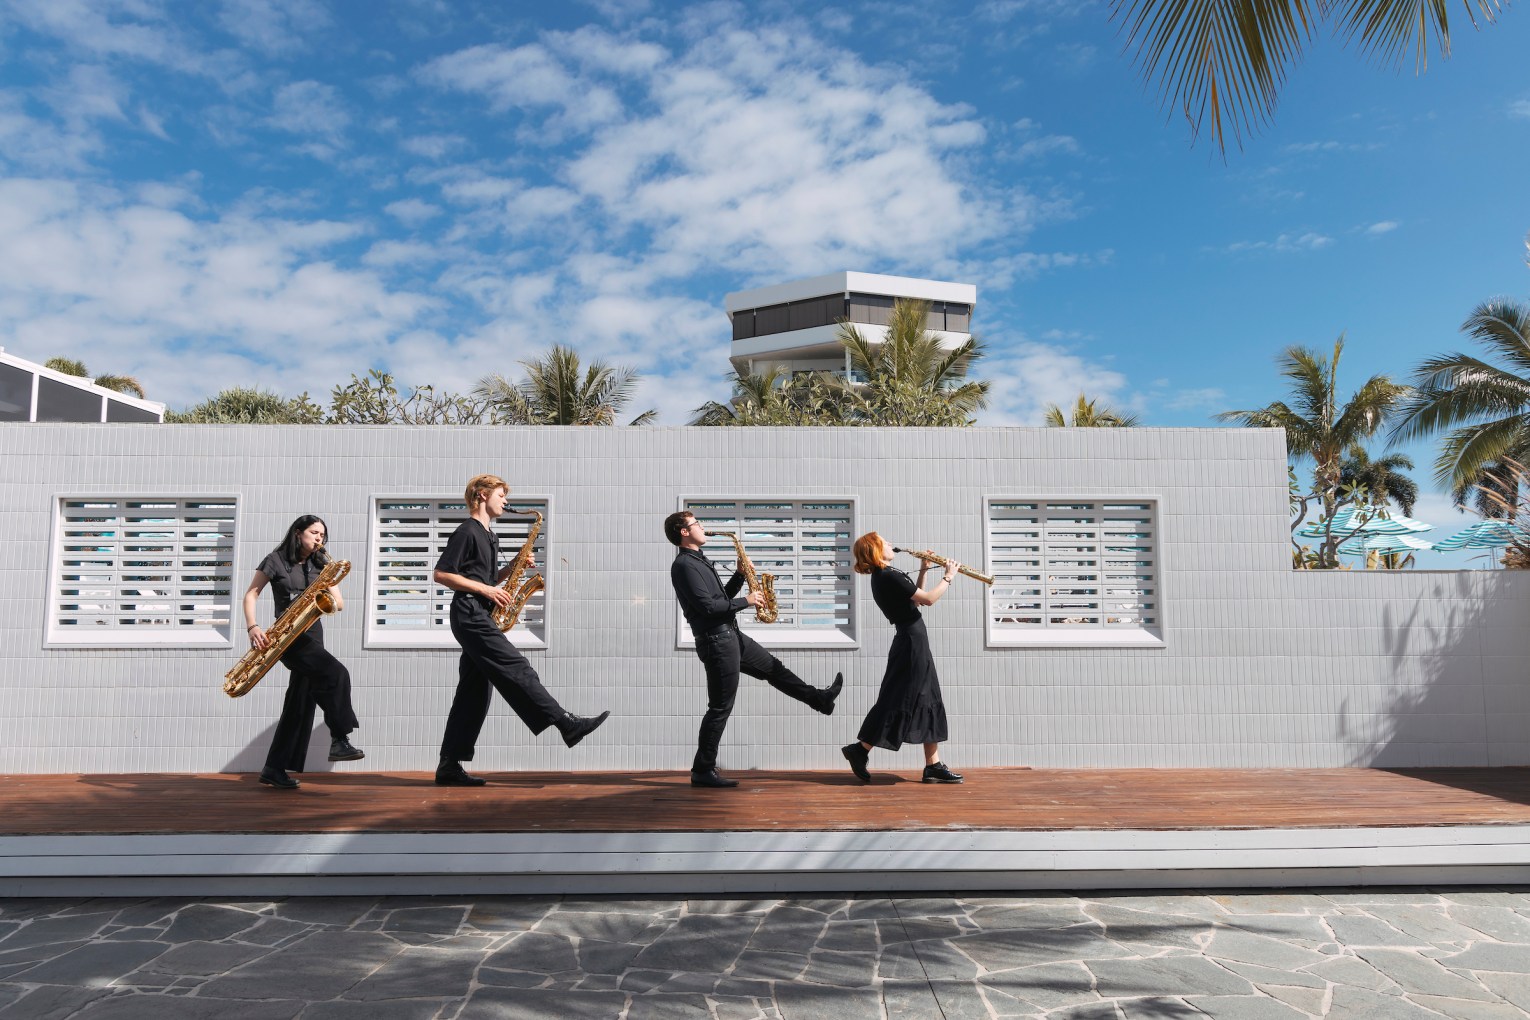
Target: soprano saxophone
[[765, 584], [520, 592], [926, 555], [317, 600]]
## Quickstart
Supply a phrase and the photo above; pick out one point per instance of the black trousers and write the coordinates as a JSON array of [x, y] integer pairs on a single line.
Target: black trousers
[[725, 653], [490, 663], [317, 680]]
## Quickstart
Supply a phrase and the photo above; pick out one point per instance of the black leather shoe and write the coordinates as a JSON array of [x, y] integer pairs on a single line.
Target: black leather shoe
[[576, 727], [939, 773], [451, 773], [857, 756], [712, 778], [341, 749], [278, 778], [830, 693]]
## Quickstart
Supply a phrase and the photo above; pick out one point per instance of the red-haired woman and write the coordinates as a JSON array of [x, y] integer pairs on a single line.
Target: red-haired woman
[[909, 708]]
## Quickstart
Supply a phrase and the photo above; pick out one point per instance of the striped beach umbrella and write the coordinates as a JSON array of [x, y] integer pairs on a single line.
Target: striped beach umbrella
[[1488, 534], [1390, 544], [1351, 519]]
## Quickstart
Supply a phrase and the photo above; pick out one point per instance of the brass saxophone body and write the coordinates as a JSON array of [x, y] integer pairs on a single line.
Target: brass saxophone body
[[925, 554], [520, 592], [765, 584], [317, 600]]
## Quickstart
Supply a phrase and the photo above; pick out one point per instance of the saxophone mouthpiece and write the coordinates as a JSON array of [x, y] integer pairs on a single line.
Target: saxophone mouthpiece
[[897, 549]]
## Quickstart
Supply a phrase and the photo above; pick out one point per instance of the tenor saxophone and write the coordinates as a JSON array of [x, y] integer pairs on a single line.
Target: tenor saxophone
[[316, 601], [520, 593], [765, 584]]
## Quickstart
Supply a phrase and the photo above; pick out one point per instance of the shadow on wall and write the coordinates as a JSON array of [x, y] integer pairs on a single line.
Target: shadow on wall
[[252, 756], [1456, 694]]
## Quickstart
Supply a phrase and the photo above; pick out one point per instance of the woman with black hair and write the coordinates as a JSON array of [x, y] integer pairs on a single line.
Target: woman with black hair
[[317, 677]]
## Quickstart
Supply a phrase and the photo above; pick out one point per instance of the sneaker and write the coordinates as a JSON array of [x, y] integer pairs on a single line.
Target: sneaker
[[857, 756], [341, 749], [939, 773], [827, 696], [576, 727], [451, 773], [277, 778]]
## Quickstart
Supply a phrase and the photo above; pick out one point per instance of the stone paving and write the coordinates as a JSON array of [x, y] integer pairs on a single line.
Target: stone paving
[[1352, 954]]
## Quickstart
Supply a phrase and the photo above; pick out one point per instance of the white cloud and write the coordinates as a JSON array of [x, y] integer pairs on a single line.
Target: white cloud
[[1383, 227], [1290, 242], [1207, 399], [412, 212], [527, 77], [1048, 145], [189, 305], [1027, 376], [275, 27], [434, 147], [311, 109], [1520, 108]]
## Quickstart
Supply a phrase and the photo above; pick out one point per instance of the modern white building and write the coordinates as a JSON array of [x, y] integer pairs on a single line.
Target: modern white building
[[795, 325], [32, 392]]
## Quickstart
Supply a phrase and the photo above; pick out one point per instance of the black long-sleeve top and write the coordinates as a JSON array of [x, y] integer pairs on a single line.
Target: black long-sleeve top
[[707, 603]]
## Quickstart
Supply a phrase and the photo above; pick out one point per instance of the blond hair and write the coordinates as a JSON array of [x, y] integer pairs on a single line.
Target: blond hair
[[481, 487]]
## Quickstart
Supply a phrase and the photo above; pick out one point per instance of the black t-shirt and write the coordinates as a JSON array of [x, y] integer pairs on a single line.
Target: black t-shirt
[[894, 593], [473, 552], [288, 580]]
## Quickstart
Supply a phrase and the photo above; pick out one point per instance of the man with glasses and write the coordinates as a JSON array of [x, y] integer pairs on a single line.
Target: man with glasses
[[711, 608]]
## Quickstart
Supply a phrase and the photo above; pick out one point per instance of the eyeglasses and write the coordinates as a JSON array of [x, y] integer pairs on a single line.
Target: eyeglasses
[[690, 526]]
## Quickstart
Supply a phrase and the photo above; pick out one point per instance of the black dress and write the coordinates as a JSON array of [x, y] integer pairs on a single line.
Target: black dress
[[909, 708]]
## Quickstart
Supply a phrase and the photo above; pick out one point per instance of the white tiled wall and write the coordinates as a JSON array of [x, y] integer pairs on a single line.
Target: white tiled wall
[[1261, 666]]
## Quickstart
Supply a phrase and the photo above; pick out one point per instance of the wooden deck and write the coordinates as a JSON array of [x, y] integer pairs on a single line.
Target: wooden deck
[[1004, 800]]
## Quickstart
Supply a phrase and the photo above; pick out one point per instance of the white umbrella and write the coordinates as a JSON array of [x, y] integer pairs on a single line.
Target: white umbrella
[[1393, 544]]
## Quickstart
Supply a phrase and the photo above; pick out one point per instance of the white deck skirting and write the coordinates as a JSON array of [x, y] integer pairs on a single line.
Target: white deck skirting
[[756, 862]]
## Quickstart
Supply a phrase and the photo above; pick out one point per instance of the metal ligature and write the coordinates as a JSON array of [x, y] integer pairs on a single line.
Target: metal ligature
[[317, 600], [929, 557], [765, 584], [520, 592]]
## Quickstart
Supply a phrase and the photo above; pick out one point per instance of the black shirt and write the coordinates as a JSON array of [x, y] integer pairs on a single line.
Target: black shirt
[[894, 594], [473, 552], [288, 580], [705, 601]]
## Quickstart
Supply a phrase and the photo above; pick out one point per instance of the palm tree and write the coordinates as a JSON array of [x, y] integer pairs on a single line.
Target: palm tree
[[247, 406], [556, 393], [909, 379], [115, 383], [1383, 480], [778, 397], [1222, 64], [1317, 427], [1486, 406], [1087, 416]]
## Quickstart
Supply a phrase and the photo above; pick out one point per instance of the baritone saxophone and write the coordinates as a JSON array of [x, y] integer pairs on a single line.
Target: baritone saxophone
[[317, 600], [520, 592], [765, 584]]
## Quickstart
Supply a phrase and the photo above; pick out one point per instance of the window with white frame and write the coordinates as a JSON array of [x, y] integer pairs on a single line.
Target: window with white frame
[[405, 606], [142, 571], [1074, 572], [805, 545]]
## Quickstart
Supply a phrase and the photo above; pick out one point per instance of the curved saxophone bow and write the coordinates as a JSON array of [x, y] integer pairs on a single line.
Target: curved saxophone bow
[[317, 600], [520, 592], [765, 584]]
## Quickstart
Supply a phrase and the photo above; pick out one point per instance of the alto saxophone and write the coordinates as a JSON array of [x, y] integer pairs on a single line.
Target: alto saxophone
[[926, 555], [765, 584], [505, 616], [316, 601]]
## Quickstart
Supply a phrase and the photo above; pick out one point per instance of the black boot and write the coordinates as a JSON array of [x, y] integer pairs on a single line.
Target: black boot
[[576, 727], [451, 773], [939, 773], [857, 756], [827, 696], [270, 776], [341, 749]]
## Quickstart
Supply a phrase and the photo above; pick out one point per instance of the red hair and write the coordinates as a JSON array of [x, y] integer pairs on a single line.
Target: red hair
[[868, 552]]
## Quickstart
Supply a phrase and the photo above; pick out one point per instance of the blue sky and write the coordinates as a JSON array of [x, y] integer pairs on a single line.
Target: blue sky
[[282, 192]]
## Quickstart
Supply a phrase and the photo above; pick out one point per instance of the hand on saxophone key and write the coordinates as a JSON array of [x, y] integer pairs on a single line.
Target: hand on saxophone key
[[497, 595], [755, 599], [952, 569], [258, 639]]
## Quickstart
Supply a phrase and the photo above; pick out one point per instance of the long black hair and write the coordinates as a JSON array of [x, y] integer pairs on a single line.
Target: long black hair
[[292, 546]]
